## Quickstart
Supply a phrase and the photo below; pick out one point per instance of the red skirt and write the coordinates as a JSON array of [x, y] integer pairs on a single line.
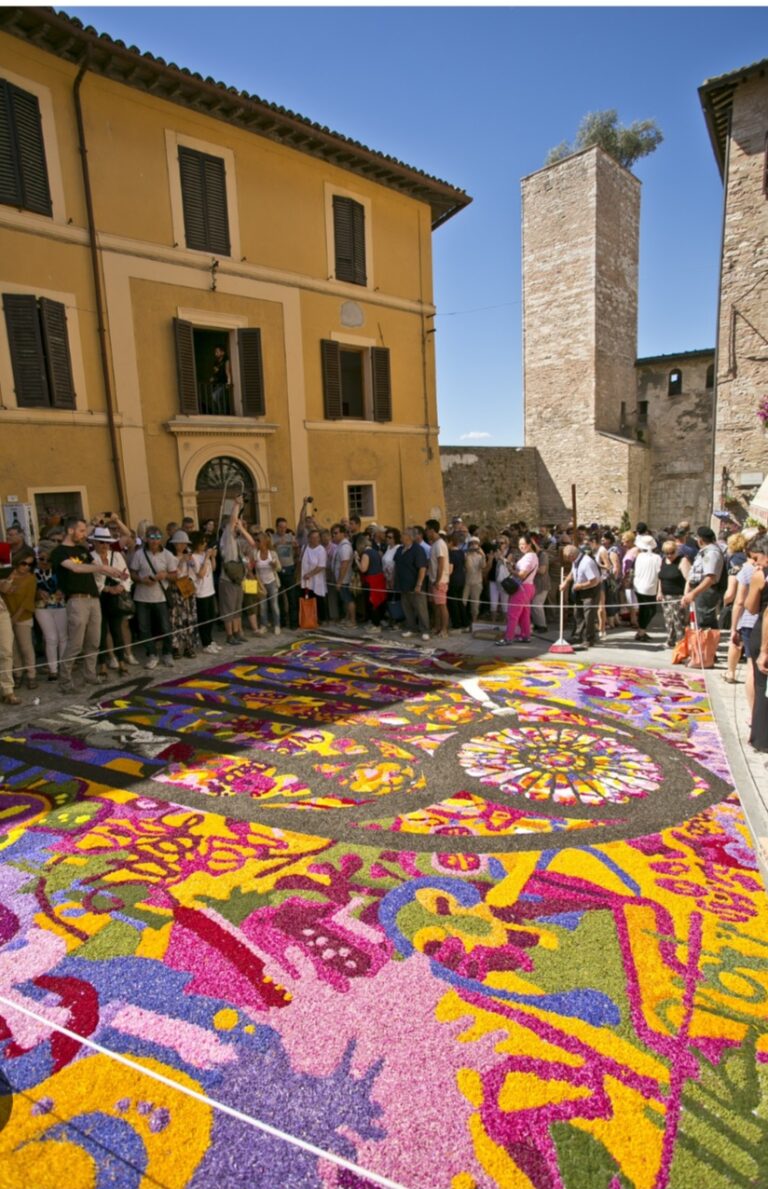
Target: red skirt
[[376, 585]]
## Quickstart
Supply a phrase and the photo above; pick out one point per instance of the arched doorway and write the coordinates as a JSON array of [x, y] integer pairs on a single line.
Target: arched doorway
[[217, 483]]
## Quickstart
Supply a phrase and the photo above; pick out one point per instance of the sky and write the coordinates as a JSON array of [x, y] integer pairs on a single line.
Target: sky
[[478, 96]]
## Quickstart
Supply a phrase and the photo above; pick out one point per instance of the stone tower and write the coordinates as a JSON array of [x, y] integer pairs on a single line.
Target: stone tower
[[580, 256]]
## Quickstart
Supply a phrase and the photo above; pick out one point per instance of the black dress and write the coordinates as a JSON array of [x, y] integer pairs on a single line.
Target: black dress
[[758, 735]]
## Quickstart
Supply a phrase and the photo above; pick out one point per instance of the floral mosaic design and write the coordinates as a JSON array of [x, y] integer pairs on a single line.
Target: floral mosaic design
[[562, 764], [477, 926]]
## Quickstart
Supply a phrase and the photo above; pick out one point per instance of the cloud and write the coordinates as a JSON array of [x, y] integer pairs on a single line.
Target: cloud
[[476, 435]]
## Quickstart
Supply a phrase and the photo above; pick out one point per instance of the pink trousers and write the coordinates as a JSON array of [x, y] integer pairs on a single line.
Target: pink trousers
[[519, 612]]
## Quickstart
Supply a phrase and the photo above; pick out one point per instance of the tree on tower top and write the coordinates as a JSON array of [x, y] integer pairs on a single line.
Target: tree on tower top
[[625, 143]]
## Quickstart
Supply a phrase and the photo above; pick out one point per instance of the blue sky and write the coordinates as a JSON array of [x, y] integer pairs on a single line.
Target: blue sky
[[477, 96]]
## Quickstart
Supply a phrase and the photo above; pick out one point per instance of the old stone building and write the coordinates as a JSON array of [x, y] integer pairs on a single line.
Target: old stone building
[[736, 111], [663, 436], [632, 435]]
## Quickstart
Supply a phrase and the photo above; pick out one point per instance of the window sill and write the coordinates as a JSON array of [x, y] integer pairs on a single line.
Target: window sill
[[207, 424], [352, 424], [38, 416]]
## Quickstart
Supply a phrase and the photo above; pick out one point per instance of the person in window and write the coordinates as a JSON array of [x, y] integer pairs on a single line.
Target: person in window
[[152, 567], [221, 381], [50, 612]]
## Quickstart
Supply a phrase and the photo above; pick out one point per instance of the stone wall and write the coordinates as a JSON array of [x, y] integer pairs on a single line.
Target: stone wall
[[679, 432], [490, 484], [741, 445], [580, 252]]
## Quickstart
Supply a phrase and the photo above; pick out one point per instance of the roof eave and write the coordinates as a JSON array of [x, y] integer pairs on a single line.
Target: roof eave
[[63, 36]]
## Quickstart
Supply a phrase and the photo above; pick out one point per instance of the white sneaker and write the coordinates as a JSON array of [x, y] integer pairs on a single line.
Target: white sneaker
[[152, 662], [112, 663], [130, 659], [261, 631], [216, 647], [407, 635], [278, 631], [425, 636], [211, 648]]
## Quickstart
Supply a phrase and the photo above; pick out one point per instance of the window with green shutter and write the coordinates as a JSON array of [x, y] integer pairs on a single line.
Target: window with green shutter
[[38, 343], [23, 169], [349, 240], [204, 199]]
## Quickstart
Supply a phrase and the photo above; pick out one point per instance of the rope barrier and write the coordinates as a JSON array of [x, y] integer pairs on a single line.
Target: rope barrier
[[122, 648]]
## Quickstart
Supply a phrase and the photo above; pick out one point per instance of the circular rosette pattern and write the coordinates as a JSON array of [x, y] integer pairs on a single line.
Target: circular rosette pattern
[[562, 764]]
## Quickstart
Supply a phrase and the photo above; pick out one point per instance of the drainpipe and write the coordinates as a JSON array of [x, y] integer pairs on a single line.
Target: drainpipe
[[99, 294]]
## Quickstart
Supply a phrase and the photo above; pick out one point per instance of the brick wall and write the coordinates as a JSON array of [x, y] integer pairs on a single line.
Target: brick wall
[[490, 484], [679, 433], [741, 444], [580, 254]]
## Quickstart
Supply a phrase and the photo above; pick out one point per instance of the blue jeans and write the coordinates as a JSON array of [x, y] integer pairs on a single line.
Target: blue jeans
[[270, 600], [154, 624]]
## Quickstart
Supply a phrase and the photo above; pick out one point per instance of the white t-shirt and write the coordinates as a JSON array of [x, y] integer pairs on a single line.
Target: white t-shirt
[[437, 550], [344, 552], [646, 572], [204, 586]]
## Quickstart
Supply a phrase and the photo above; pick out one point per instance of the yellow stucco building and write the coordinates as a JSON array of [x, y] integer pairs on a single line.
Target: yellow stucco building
[[201, 289]]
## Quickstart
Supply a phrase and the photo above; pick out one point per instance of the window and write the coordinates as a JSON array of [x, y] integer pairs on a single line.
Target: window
[[204, 199], [349, 240], [360, 501], [642, 412], [205, 373], [39, 349], [675, 382], [710, 380], [356, 382], [23, 170]]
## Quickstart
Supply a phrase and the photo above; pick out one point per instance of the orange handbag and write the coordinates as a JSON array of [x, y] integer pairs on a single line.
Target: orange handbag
[[308, 611]]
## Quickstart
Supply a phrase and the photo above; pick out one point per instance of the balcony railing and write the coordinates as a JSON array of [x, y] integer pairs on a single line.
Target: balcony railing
[[215, 400]]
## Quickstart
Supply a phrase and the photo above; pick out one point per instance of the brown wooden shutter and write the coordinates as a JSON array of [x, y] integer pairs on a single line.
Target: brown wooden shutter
[[22, 320], [251, 372], [204, 199], [215, 182], [331, 355], [382, 388], [23, 169], [31, 151], [10, 181], [349, 240], [53, 322], [185, 367]]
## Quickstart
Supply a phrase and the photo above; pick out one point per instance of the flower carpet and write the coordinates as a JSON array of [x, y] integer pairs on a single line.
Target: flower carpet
[[340, 917]]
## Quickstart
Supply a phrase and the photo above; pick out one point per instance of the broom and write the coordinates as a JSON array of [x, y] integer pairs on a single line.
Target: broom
[[561, 645]]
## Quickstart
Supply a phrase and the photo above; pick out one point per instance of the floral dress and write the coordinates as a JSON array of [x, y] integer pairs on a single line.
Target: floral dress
[[183, 612]]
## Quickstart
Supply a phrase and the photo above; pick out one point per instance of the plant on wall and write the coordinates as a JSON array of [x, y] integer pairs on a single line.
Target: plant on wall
[[762, 411]]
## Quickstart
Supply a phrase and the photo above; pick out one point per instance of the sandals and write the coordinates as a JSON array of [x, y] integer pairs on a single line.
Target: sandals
[[729, 680]]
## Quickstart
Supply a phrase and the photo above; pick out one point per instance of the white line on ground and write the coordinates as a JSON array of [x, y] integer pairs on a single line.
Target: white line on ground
[[374, 1177]]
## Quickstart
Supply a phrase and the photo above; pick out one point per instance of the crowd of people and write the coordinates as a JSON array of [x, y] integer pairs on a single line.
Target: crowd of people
[[90, 597]]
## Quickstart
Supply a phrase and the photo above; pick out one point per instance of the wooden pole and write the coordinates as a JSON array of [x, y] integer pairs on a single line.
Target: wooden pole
[[573, 509]]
